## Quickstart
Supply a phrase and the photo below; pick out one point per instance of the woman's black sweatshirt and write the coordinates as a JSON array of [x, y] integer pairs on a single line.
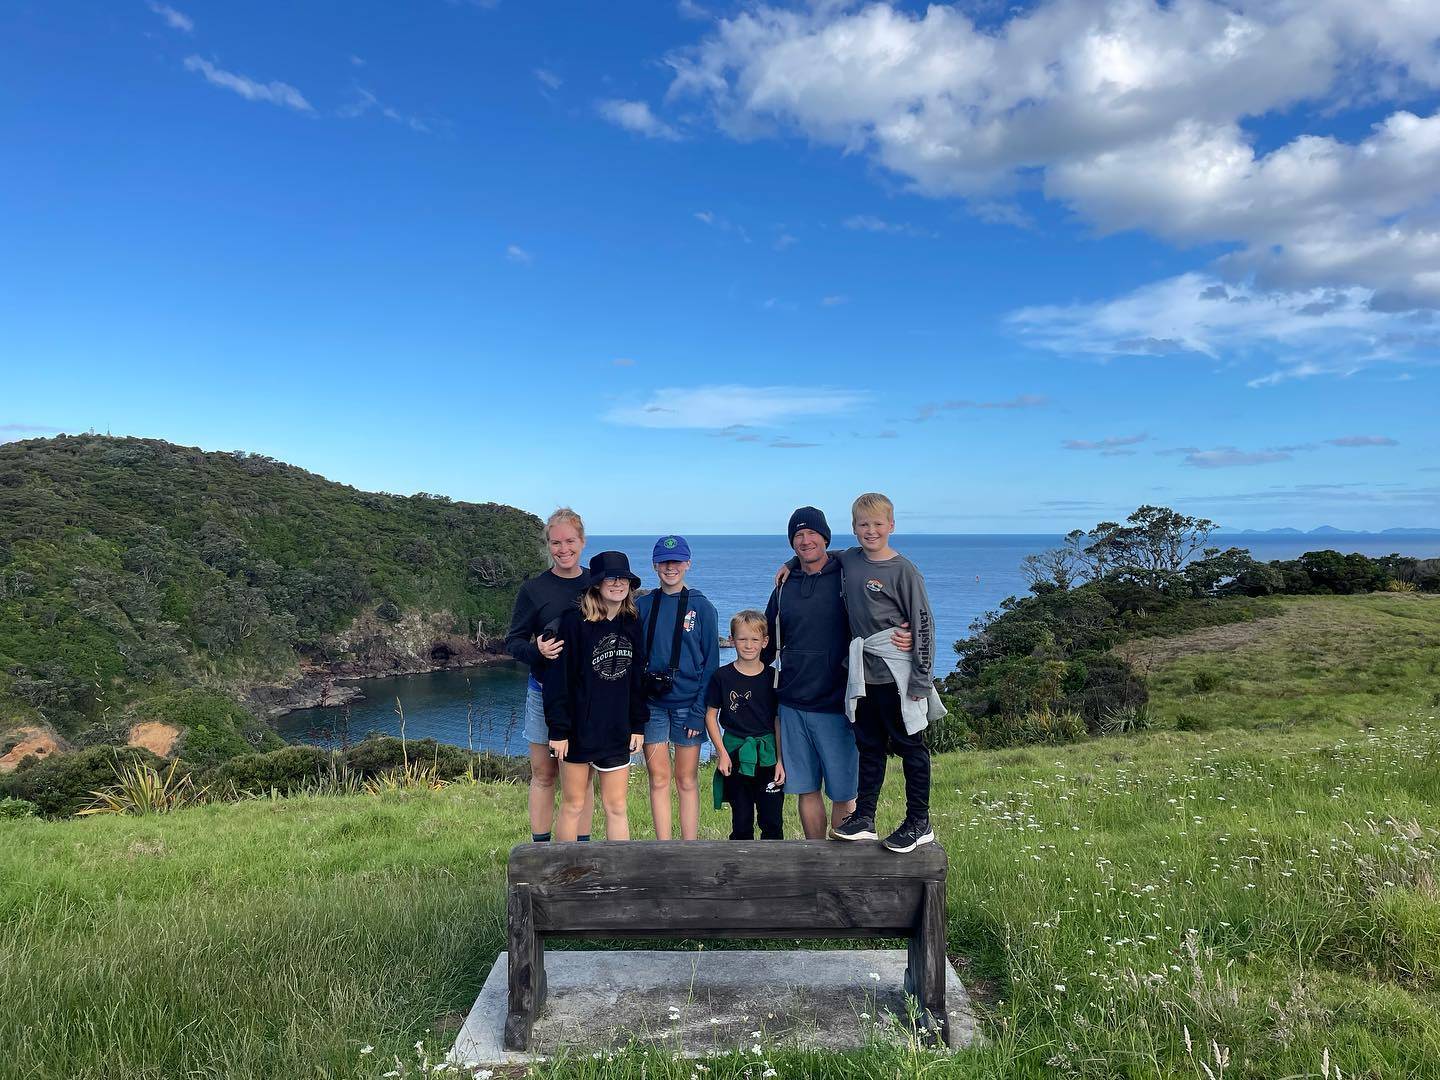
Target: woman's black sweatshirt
[[595, 690], [541, 600]]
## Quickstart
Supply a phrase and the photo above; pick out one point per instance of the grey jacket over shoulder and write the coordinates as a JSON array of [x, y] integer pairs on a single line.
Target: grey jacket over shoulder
[[882, 594]]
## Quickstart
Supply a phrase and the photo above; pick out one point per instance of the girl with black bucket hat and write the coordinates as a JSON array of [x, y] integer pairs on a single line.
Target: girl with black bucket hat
[[595, 696]]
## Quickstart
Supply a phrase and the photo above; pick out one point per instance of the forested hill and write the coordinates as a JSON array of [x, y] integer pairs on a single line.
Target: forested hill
[[133, 569]]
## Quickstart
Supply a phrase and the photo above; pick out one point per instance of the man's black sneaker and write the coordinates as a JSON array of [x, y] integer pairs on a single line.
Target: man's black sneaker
[[910, 835], [855, 827]]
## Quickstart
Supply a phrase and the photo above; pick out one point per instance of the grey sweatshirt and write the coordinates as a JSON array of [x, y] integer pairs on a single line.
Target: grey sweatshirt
[[881, 596]]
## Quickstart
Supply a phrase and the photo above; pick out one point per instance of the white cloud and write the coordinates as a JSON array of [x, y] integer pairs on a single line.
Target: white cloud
[[365, 101], [1363, 440], [516, 254], [16, 432], [1021, 401], [276, 93], [871, 223], [1130, 112], [636, 116], [1304, 333], [623, 361], [689, 9], [549, 79], [835, 300], [1228, 457], [739, 407], [1106, 445], [176, 20]]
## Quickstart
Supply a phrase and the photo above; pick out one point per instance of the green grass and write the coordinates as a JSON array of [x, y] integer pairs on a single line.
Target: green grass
[[1349, 659], [1274, 893]]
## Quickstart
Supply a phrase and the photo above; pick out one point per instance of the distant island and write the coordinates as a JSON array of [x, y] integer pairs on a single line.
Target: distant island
[[1327, 530]]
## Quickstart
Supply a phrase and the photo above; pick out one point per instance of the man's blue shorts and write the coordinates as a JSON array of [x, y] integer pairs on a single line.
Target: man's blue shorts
[[818, 746], [668, 724]]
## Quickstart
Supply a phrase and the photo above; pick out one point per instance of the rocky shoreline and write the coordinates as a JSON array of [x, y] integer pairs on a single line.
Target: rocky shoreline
[[324, 689]]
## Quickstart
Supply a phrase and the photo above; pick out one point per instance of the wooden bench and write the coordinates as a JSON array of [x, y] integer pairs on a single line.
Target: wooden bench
[[723, 889]]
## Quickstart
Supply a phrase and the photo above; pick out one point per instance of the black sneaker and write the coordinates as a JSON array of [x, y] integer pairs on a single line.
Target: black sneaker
[[855, 827], [910, 835]]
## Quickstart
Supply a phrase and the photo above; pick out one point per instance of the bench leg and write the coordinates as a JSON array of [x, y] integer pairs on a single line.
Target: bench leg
[[925, 975], [527, 969]]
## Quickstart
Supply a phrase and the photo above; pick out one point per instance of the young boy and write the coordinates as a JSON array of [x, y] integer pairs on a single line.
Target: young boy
[[741, 700], [891, 694]]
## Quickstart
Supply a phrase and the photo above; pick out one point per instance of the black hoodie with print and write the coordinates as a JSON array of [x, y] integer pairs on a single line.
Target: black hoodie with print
[[594, 691]]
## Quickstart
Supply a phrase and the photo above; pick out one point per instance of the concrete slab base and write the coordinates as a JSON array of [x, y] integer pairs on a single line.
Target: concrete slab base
[[696, 1002]]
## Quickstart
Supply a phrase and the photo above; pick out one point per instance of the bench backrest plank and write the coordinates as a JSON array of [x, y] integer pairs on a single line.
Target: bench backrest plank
[[724, 888]]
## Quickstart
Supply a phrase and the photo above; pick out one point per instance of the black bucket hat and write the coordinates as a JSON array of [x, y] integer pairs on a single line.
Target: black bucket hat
[[610, 564]]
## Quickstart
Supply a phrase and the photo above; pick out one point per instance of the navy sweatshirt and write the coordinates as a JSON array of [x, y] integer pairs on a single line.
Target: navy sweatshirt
[[814, 637], [540, 601], [699, 647], [595, 691]]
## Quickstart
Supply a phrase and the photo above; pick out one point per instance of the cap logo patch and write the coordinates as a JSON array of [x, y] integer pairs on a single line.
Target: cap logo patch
[[669, 542], [875, 585]]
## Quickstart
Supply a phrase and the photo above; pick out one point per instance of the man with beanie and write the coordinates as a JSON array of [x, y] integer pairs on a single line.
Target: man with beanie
[[809, 638]]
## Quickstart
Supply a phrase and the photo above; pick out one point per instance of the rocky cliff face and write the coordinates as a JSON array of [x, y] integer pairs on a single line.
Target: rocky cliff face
[[372, 646]]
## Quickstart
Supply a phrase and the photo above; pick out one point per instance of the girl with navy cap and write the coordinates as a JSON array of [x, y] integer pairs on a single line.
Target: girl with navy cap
[[682, 651], [595, 696]]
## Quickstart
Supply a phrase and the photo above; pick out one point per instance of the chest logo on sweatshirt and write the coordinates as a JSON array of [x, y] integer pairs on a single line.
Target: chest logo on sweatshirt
[[690, 620], [875, 585], [736, 698], [612, 656]]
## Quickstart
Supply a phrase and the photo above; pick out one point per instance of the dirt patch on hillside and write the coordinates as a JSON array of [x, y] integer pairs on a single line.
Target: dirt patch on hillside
[[154, 736], [1147, 653], [32, 741]]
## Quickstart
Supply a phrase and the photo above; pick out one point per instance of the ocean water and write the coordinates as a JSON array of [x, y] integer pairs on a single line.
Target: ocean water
[[966, 575]]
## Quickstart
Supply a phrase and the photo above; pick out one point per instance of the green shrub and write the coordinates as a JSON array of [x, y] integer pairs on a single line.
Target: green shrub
[[1126, 719], [1194, 722], [1206, 680], [1028, 729], [213, 728], [17, 808], [286, 770], [487, 767], [62, 784], [383, 753], [951, 732], [1109, 684]]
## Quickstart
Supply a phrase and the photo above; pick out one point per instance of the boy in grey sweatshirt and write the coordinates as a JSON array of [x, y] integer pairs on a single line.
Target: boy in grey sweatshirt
[[884, 590]]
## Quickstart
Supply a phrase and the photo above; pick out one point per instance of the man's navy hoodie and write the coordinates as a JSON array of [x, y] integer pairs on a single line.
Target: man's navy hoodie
[[699, 647], [814, 638]]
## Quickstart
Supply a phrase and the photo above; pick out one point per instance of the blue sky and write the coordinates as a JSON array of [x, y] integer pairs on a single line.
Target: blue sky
[[686, 266]]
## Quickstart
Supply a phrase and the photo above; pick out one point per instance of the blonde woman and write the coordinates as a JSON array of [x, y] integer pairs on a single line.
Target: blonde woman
[[539, 604], [595, 697]]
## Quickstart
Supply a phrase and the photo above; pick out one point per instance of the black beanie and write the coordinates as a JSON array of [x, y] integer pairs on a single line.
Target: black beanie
[[807, 517]]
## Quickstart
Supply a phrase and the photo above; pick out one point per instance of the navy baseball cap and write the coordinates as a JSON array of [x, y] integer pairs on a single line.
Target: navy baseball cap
[[670, 549]]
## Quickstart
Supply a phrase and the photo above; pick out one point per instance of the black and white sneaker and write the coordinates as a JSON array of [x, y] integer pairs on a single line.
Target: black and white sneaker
[[910, 835], [855, 827]]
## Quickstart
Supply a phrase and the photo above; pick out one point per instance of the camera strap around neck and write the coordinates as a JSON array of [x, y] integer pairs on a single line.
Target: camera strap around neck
[[660, 594]]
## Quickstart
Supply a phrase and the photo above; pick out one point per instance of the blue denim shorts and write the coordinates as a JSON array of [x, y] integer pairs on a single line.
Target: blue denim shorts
[[818, 746], [668, 725], [536, 730]]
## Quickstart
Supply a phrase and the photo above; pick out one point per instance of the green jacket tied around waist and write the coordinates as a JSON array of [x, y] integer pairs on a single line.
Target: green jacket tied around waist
[[747, 754]]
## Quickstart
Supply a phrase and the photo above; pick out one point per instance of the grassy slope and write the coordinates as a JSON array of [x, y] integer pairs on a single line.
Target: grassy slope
[[1272, 891]]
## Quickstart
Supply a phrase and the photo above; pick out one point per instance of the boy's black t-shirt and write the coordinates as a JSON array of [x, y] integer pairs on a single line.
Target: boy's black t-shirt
[[747, 703]]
